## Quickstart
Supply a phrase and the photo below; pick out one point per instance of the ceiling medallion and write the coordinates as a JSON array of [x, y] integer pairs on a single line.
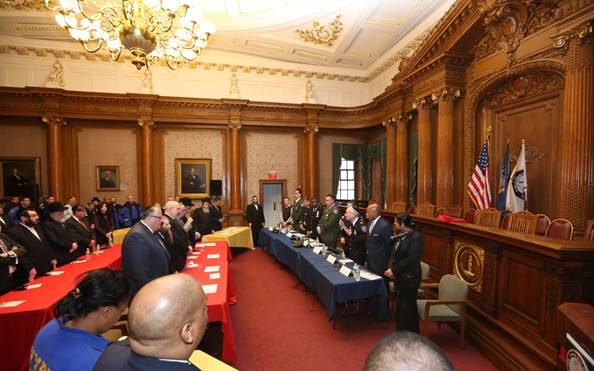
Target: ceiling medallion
[[322, 34], [172, 30]]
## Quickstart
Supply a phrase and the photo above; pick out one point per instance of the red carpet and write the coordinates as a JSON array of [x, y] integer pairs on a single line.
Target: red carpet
[[280, 327]]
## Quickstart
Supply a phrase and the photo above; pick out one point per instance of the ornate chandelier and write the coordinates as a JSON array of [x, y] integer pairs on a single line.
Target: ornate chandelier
[[150, 29]]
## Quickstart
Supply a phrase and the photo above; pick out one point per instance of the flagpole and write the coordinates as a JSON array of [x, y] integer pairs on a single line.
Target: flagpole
[[524, 148]]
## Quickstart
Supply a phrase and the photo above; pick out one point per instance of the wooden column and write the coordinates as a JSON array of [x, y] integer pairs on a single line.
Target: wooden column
[[577, 153], [311, 179], [445, 151], [54, 156], [425, 167], [401, 181], [390, 125], [236, 211], [146, 161]]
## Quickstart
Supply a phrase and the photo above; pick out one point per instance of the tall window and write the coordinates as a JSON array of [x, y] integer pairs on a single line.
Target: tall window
[[346, 183]]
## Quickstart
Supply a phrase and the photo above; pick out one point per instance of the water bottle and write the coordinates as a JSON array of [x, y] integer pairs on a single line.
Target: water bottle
[[324, 250], [88, 253], [356, 272], [342, 255]]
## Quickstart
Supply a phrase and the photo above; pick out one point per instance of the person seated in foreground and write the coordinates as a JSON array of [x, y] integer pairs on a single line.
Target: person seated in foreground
[[166, 321], [405, 350], [72, 340]]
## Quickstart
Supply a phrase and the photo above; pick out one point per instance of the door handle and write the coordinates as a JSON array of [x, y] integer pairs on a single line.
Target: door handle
[[274, 206]]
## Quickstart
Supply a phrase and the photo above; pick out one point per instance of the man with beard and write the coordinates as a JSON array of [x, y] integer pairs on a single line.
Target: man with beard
[[255, 217], [203, 218], [180, 246], [29, 235], [60, 240]]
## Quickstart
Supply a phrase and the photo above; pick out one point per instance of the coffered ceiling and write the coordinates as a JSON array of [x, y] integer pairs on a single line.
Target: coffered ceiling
[[371, 33]]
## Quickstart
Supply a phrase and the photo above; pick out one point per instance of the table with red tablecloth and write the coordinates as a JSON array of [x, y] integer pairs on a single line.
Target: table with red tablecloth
[[209, 255], [20, 324]]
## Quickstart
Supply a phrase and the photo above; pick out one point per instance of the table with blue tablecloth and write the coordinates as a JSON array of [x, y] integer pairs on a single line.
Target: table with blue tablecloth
[[324, 278]]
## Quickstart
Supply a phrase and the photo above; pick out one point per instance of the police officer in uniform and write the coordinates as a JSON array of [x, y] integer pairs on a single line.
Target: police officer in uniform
[[354, 235], [328, 226], [297, 210]]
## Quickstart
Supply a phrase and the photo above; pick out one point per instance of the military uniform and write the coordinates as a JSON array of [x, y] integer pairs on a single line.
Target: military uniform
[[354, 247], [316, 214], [329, 226], [297, 213]]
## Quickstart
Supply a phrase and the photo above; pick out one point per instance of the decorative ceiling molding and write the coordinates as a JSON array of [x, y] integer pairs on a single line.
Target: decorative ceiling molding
[[322, 34], [23, 4]]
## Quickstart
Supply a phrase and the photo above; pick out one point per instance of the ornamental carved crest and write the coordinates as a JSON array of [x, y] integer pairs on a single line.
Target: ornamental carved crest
[[469, 264]]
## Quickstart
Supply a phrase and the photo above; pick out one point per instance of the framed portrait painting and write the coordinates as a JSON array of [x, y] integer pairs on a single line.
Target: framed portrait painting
[[192, 177], [20, 176], [107, 178]]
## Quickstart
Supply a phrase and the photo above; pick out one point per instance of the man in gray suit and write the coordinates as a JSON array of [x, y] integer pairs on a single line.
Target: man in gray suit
[[144, 254]]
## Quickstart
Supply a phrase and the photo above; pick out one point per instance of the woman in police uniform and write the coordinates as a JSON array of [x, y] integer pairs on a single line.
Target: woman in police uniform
[[405, 269]]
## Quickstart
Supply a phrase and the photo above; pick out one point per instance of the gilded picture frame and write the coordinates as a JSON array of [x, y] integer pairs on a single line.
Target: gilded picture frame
[[192, 177], [107, 178]]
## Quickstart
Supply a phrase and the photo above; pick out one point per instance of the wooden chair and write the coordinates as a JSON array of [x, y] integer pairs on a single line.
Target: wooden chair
[[589, 232], [505, 220], [523, 222], [398, 207], [204, 361], [119, 234], [454, 211], [426, 210], [488, 217], [560, 229], [450, 305], [470, 216], [542, 223]]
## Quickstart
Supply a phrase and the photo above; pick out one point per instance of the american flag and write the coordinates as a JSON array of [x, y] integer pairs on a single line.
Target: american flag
[[478, 186]]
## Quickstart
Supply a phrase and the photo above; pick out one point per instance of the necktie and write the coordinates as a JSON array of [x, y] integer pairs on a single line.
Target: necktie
[[371, 227], [83, 224], [3, 246]]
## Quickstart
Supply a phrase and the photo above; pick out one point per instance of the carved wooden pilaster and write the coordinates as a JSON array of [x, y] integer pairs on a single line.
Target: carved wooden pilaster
[[311, 179], [577, 152], [425, 166], [401, 181], [390, 125], [445, 151], [146, 161], [54, 155], [235, 213]]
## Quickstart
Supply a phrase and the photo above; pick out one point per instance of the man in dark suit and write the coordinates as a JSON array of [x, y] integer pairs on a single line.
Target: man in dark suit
[[216, 209], [255, 217], [180, 246], [5, 223], [144, 255], [81, 232], [11, 263], [37, 251], [63, 245], [203, 218], [166, 321], [354, 237], [187, 220], [379, 248]]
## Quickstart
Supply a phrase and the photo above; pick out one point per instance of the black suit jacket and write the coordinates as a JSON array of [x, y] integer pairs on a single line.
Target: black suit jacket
[[60, 241], [119, 357], [144, 257], [406, 256], [379, 246], [217, 214], [37, 252], [80, 234], [179, 248], [5, 223], [255, 216], [355, 243], [203, 222], [6, 280]]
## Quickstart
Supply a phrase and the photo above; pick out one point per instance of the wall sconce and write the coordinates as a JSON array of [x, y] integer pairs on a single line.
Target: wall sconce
[[414, 105]]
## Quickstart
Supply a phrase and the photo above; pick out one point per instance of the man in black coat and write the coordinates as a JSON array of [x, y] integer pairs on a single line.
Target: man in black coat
[[64, 247], [11, 262], [187, 220], [180, 246], [144, 255], [204, 219], [217, 214], [37, 251], [81, 232], [354, 237], [255, 217], [379, 248], [5, 222]]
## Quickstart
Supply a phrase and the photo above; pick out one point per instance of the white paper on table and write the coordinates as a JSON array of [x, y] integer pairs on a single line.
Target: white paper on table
[[11, 304], [206, 244], [33, 286], [344, 261], [192, 257], [196, 253], [55, 273], [210, 289], [369, 276], [214, 276], [345, 271], [78, 261], [213, 256], [212, 269], [317, 249], [191, 265], [331, 259], [99, 252]]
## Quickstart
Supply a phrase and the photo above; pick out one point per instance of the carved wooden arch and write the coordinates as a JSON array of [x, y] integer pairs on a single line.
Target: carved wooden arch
[[479, 93]]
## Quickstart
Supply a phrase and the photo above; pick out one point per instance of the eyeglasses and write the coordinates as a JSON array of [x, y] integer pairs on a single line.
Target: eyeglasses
[[156, 216]]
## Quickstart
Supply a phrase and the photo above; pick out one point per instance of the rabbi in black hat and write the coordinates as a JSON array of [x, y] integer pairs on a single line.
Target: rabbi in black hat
[[60, 241], [204, 218]]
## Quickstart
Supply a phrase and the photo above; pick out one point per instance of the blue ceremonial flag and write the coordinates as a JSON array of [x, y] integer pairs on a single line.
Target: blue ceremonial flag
[[503, 179], [478, 185]]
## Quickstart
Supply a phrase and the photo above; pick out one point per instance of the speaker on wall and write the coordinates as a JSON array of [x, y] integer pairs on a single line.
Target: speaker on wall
[[216, 187]]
